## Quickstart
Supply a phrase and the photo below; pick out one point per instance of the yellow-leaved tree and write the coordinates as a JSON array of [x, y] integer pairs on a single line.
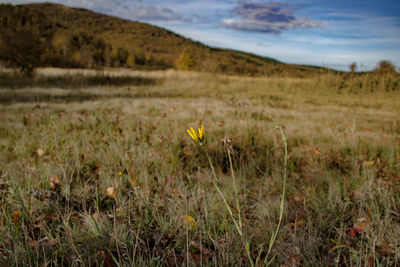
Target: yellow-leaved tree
[[185, 60]]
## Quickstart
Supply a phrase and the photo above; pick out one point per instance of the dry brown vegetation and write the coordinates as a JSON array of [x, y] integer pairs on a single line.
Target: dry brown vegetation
[[112, 178]]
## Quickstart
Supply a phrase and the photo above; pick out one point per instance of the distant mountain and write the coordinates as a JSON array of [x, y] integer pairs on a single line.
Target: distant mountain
[[71, 37]]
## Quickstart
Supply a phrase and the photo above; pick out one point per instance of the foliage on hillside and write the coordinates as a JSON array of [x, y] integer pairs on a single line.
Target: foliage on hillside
[[70, 37], [25, 36]]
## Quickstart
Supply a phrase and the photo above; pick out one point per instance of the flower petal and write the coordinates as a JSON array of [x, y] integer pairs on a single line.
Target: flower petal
[[202, 132], [194, 134], [191, 135]]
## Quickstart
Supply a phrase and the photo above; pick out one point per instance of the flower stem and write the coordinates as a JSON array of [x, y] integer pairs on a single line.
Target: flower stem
[[236, 192], [282, 206], [237, 226]]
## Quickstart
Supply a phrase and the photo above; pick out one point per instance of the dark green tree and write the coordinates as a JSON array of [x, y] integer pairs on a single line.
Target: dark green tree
[[123, 55], [22, 35], [21, 49], [79, 40], [353, 67], [385, 67], [119, 57], [99, 49], [140, 57]]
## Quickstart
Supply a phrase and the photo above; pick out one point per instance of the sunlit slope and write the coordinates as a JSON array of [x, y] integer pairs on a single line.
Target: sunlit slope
[[81, 38]]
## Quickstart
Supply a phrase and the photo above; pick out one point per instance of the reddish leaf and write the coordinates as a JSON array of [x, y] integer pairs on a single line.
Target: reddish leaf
[[105, 258], [294, 260], [15, 215], [111, 192], [371, 261], [200, 247], [384, 249], [351, 232], [337, 247]]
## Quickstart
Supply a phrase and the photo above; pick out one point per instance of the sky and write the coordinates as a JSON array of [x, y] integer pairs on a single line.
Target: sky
[[330, 33]]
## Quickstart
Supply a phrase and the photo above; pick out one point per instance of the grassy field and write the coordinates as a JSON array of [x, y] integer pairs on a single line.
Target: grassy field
[[98, 169]]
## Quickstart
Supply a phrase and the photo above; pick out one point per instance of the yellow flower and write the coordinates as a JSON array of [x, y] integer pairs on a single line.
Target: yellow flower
[[190, 222], [197, 137], [119, 173], [369, 163]]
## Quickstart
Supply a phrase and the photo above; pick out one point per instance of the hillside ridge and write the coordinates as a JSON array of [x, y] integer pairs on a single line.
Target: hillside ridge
[[76, 37]]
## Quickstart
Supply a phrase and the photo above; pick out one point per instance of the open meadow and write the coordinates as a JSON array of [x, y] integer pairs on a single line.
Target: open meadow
[[97, 169]]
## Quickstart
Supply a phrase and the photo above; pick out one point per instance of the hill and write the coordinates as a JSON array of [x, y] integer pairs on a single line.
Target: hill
[[71, 37]]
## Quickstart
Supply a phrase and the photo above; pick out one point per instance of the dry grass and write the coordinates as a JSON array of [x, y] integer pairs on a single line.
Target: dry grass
[[112, 179]]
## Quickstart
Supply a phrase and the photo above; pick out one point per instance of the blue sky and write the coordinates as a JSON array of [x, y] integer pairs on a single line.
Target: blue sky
[[314, 32]]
